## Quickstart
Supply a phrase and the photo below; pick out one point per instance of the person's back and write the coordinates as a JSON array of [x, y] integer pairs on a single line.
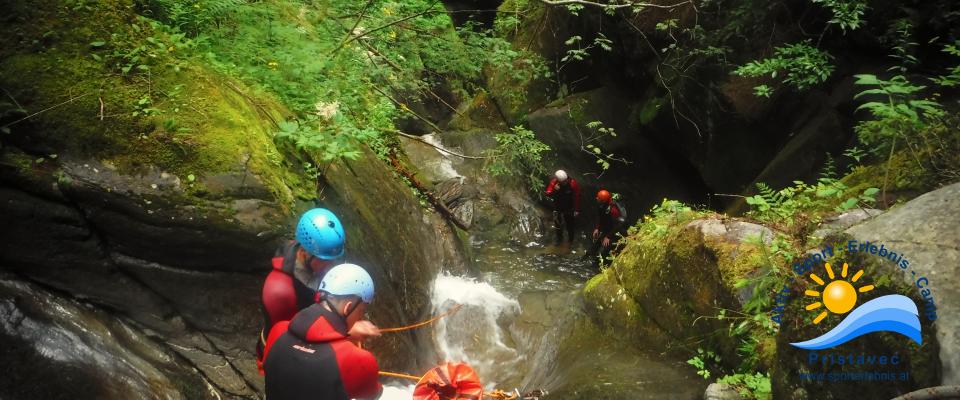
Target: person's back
[[314, 360], [313, 356]]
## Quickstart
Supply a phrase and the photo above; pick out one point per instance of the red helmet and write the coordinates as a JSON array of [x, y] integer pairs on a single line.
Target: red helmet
[[603, 196]]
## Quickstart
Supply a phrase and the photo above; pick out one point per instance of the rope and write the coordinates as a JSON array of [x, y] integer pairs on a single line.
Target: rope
[[399, 375], [419, 324]]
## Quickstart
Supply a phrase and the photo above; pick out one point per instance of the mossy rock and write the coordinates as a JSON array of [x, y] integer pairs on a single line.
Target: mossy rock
[[176, 114], [481, 112], [675, 281]]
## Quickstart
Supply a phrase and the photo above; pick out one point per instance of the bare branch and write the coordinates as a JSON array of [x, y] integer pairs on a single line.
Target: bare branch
[[614, 5], [71, 100], [443, 149]]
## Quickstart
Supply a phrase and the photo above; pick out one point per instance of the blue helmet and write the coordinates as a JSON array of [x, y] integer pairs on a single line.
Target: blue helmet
[[348, 280], [321, 234]]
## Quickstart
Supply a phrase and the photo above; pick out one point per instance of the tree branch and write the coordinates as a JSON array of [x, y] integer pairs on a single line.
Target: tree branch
[[442, 208], [381, 27], [613, 5], [453, 153]]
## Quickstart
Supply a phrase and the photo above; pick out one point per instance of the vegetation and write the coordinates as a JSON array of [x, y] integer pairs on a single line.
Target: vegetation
[[518, 155]]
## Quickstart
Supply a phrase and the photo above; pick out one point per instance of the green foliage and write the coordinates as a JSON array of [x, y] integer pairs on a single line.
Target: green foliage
[[193, 16], [902, 44], [797, 203], [661, 217], [897, 114], [518, 155], [340, 66], [579, 52], [847, 14], [750, 386], [952, 78], [704, 362], [590, 144], [901, 115], [800, 65], [146, 44]]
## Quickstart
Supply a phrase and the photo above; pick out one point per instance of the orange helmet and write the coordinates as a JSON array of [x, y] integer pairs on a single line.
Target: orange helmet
[[603, 196]]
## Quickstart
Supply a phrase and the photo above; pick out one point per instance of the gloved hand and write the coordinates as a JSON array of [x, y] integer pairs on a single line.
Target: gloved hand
[[576, 214], [596, 234], [606, 242]]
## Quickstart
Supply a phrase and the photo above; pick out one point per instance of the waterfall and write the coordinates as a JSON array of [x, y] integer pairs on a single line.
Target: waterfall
[[472, 335]]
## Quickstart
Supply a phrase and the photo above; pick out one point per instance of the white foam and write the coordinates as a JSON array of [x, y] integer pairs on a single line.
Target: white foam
[[472, 335], [392, 392]]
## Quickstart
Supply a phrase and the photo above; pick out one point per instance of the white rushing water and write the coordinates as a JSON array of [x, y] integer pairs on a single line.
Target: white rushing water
[[473, 334]]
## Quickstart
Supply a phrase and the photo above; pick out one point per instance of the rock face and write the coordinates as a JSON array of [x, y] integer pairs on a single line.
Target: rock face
[[169, 231], [926, 231], [496, 209], [190, 270], [65, 349]]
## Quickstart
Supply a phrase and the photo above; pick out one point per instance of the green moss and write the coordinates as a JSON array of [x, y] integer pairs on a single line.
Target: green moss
[[200, 122]]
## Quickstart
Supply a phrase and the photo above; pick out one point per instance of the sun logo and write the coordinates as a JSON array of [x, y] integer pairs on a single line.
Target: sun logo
[[839, 296]]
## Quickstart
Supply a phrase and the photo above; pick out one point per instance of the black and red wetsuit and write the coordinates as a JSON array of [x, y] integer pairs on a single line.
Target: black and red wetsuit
[[607, 225], [609, 220], [283, 294], [566, 202], [310, 358]]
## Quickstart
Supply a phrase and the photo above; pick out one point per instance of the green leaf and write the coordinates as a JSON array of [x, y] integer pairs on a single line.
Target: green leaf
[[98, 43]]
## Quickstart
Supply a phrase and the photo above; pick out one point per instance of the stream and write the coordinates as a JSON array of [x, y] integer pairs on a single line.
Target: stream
[[523, 326]]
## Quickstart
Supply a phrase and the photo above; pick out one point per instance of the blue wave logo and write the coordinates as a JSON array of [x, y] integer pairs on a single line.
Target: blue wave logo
[[892, 313]]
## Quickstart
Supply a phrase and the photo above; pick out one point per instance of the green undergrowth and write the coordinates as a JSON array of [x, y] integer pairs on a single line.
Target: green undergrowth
[[139, 99]]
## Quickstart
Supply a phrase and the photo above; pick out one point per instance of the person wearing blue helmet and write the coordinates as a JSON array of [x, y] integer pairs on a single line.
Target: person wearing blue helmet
[[315, 354], [319, 242]]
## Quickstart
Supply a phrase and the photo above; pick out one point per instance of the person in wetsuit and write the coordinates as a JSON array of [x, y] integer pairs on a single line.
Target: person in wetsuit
[[319, 241], [608, 222], [315, 356], [565, 194]]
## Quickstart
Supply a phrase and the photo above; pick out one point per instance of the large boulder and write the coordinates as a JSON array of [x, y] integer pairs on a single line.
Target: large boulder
[[669, 282], [926, 230]]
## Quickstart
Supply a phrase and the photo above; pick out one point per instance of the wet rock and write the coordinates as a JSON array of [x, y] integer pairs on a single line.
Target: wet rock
[[64, 349], [189, 269], [926, 231]]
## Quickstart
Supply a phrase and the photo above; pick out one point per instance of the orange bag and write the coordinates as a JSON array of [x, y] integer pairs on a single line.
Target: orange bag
[[450, 381]]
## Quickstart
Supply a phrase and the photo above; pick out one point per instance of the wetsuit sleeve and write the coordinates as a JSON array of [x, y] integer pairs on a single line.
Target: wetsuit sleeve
[[576, 194], [278, 330], [279, 298], [359, 371], [551, 187]]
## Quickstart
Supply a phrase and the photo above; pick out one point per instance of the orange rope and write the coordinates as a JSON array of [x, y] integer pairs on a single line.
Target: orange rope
[[419, 324], [399, 375]]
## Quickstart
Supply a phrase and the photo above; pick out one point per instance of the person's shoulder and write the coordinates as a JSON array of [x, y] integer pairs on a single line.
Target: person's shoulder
[[347, 350]]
